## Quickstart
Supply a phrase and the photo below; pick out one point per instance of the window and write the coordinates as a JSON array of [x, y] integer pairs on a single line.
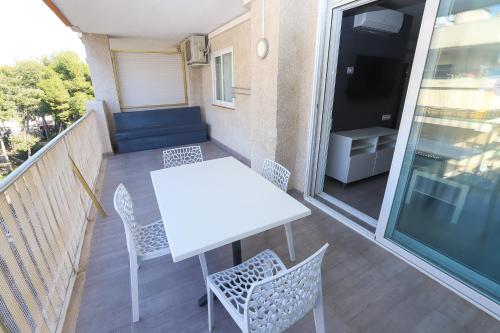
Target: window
[[147, 79], [222, 78], [446, 208]]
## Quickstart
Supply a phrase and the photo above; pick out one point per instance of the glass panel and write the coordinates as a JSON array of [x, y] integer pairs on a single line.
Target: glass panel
[[447, 208], [218, 79], [227, 63]]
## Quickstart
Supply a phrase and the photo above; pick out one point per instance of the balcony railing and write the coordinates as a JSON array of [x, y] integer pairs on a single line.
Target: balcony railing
[[45, 205]]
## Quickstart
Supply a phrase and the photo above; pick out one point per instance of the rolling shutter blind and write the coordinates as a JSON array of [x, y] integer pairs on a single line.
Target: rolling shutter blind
[[150, 79]]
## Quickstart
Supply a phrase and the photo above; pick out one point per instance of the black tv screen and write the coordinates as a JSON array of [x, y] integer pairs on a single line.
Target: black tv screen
[[373, 77]]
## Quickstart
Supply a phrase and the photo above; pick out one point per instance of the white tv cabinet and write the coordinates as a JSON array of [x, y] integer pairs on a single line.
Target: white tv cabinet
[[361, 153]]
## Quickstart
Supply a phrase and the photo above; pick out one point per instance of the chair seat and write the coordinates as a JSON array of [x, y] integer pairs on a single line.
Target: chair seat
[[232, 285], [151, 239], [144, 242]]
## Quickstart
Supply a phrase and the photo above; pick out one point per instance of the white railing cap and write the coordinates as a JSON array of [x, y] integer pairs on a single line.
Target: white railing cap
[[14, 175]]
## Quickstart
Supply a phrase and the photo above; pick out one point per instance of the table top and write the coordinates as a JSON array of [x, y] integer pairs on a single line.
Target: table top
[[216, 202]]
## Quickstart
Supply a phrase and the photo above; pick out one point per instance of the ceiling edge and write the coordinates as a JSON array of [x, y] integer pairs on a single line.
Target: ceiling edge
[[57, 12]]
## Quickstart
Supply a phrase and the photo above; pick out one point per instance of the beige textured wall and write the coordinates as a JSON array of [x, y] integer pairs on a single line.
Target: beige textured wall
[[264, 83], [273, 121], [295, 83], [103, 128], [228, 126], [195, 87], [282, 84], [101, 71]]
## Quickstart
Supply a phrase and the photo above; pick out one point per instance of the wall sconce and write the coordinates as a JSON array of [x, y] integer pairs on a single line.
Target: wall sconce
[[263, 44], [262, 48]]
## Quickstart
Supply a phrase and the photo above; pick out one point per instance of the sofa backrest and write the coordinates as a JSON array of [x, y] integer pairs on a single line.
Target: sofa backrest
[[127, 121]]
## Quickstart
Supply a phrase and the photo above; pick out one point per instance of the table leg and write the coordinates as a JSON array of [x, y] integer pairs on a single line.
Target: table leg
[[202, 301], [237, 259]]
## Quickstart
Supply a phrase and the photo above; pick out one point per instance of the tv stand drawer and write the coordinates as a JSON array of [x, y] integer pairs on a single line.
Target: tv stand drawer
[[360, 166]]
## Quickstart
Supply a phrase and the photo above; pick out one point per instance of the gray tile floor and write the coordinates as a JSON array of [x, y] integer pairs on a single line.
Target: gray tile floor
[[366, 289], [365, 195]]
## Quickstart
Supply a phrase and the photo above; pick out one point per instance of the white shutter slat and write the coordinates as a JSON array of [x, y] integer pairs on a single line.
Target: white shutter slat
[[149, 79]]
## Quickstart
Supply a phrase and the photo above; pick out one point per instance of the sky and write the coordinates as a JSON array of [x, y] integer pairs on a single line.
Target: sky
[[29, 29]]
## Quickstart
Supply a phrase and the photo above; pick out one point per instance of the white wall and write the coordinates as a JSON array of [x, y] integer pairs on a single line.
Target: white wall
[[272, 120], [102, 75], [136, 44]]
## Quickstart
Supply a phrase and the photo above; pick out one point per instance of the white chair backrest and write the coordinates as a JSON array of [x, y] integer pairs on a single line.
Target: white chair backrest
[[276, 303], [125, 208], [180, 156], [276, 174]]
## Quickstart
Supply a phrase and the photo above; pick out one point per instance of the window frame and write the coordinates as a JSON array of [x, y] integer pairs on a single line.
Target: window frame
[[221, 53]]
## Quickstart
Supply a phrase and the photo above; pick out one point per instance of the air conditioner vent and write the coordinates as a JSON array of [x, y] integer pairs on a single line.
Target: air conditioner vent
[[195, 50], [385, 21]]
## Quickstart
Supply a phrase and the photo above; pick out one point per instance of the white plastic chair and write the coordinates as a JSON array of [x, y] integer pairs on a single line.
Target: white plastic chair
[[262, 295], [182, 155], [279, 176], [144, 242]]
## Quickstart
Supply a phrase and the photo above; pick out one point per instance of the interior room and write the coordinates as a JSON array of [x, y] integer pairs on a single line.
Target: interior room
[[376, 50]]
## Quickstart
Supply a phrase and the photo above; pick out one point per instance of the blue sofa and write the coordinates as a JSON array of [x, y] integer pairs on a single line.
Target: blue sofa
[[143, 130]]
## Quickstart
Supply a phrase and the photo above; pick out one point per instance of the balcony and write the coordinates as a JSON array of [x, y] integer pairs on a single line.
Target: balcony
[[362, 283], [64, 270]]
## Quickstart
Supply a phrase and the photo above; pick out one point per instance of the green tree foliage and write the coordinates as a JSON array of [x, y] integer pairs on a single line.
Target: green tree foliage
[[23, 143], [7, 112], [66, 85], [7, 94], [7, 108], [58, 85], [55, 95], [20, 95]]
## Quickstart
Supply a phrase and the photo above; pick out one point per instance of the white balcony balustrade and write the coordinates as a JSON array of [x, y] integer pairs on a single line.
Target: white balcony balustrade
[[45, 206]]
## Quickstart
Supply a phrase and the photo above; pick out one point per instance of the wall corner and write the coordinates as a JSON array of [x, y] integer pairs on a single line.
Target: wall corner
[[102, 122]]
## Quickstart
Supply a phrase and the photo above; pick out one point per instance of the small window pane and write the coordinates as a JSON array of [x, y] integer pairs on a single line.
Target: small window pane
[[227, 62], [218, 79]]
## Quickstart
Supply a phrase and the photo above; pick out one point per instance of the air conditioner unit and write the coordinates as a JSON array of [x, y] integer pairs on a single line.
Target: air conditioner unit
[[195, 50], [385, 21]]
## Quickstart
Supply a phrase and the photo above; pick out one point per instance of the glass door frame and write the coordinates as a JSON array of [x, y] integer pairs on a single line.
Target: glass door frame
[[421, 53], [327, 46], [329, 13]]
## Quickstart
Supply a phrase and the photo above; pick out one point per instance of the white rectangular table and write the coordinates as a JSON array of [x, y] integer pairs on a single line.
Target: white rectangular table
[[216, 202]]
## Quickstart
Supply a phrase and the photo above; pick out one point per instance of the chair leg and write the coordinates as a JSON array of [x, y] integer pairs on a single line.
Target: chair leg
[[319, 315], [210, 300], [289, 239], [134, 290], [204, 267]]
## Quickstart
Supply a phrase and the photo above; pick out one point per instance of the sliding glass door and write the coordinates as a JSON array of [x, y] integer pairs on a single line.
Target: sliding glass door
[[446, 208]]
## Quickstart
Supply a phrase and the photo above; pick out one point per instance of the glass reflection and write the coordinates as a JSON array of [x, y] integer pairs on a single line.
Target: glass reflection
[[447, 208]]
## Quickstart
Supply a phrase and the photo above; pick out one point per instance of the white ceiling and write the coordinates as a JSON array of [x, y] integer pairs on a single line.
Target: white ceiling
[[171, 20]]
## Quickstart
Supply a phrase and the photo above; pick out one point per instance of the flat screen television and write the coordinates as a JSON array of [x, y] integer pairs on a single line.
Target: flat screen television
[[374, 77]]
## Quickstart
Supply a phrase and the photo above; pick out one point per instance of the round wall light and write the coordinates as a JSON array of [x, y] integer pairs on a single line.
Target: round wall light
[[262, 48]]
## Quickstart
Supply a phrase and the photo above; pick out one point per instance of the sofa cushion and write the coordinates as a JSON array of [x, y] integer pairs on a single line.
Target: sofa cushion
[[161, 141], [150, 129], [127, 121], [157, 131]]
